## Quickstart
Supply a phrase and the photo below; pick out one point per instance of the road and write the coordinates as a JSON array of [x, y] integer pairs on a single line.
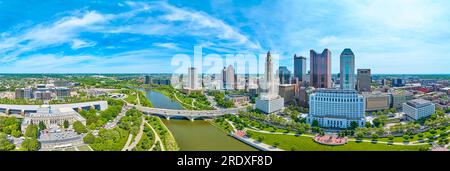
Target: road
[[212, 101], [116, 120]]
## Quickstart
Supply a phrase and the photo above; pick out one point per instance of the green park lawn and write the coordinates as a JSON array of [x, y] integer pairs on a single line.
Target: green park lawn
[[415, 138], [84, 148], [301, 143]]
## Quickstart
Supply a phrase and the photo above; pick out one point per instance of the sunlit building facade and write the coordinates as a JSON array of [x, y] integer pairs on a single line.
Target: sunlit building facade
[[336, 108]]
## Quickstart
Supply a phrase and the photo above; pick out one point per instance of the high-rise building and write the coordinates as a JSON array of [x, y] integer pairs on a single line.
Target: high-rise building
[[300, 68], [333, 108], [364, 80], [320, 69], [230, 78], [287, 91], [347, 76], [418, 108], [224, 77], [269, 101], [247, 81], [147, 79], [193, 83], [284, 75]]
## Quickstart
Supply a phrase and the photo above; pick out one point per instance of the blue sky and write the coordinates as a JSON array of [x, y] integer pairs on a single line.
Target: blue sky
[[387, 36]]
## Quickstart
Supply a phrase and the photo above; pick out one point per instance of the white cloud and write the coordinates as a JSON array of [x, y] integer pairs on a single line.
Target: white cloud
[[77, 44], [50, 61], [172, 21], [167, 45], [327, 40], [138, 61], [41, 36], [399, 14], [376, 30]]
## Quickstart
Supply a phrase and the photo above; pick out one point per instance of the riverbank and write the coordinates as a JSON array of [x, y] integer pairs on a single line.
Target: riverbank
[[256, 144], [304, 143], [167, 138], [192, 101]]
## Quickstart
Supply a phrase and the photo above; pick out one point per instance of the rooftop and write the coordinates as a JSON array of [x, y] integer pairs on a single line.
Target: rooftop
[[419, 102]]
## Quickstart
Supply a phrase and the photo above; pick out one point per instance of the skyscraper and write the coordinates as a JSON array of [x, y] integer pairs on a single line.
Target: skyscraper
[[299, 68], [193, 78], [347, 76], [230, 81], [320, 69], [147, 79], [224, 77], [284, 75], [364, 80], [269, 101]]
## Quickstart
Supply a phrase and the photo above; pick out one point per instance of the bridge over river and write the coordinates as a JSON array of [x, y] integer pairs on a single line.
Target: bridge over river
[[189, 114]]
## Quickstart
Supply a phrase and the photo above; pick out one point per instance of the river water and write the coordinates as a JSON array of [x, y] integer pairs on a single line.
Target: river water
[[198, 135]]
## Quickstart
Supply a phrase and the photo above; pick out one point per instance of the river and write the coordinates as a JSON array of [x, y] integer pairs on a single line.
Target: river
[[198, 135]]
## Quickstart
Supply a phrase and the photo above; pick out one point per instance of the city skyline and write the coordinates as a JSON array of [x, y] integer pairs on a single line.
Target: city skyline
[[403, 37]]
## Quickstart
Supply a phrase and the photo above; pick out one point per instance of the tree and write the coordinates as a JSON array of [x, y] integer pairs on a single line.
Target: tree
[[423, 148], [276, 144], [5, 145], [393, 110], [260, 138], [301, 130], [16, 133], [79, 127], [66, 124], [368, 125], [92, 126], [249, 134], [420, 135], [359, 135], [353, 125], [391, 137], [375, 136], [405, 138], [30, 144], [32, 131], [42, 126], [315, 123], [89, 138], [379, 121]]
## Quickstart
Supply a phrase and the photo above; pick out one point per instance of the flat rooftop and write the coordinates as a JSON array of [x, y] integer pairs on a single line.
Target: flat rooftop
[[419, 102]]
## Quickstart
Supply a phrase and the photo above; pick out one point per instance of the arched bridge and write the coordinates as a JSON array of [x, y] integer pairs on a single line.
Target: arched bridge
[[189, 114]]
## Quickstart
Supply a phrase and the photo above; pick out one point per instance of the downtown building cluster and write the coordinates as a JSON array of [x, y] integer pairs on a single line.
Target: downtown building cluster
[[340, 101], [334, 107]]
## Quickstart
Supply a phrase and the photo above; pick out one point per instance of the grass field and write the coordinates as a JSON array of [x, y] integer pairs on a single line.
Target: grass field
[[300, 143], [415, 137], [84, 148]]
